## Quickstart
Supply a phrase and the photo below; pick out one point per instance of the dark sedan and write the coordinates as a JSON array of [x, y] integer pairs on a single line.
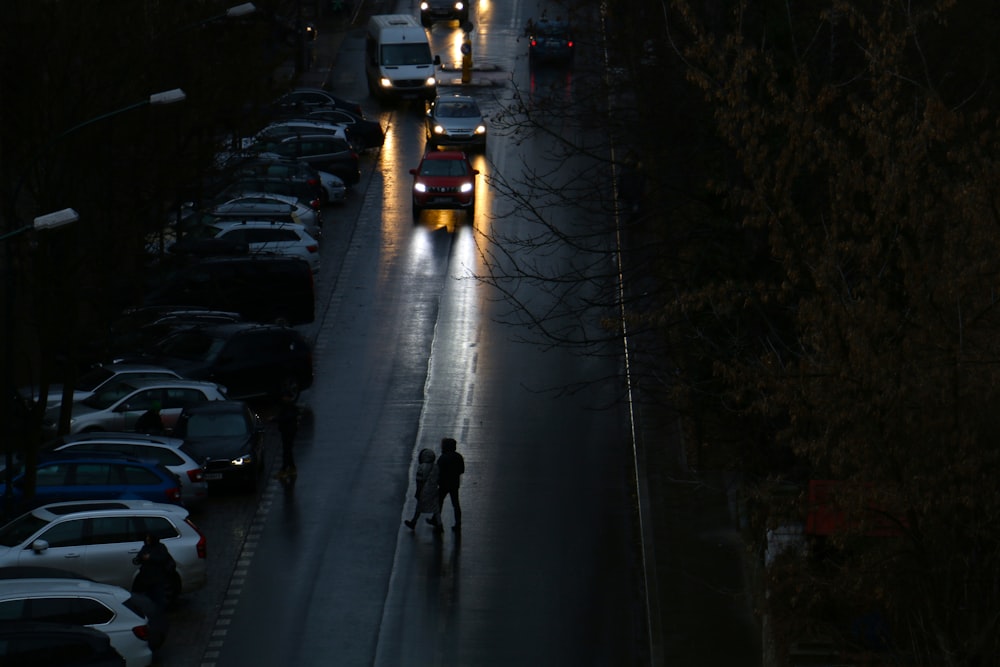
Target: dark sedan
[[228, 439]]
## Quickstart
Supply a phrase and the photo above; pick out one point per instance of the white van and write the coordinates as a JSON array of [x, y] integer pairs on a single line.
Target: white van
[[398, 61]]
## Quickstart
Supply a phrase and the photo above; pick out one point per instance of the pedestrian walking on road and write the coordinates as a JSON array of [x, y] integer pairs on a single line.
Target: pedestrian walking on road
[[427, 489], [288, 425], [451, 466]]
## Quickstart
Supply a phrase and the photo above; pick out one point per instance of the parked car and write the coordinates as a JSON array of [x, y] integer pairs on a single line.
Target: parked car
[[444, 179], [455, 120], [266, 206], [118, 405], [109, 609], [303, 100], [362, 131], [324, 151], [98, 539], [550, 40], [261, 237], [138, 328], [73, 478], [227, 437], [307, 193], [55, 644], [165, 450], [261, 289], [251, 360], [247, 164], [100, 376], [443, 10]]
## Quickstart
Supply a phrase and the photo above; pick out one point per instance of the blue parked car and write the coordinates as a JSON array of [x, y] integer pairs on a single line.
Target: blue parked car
[[69, 477]]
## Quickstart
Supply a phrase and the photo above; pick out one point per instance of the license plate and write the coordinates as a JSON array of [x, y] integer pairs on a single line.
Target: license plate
[[212, 476]]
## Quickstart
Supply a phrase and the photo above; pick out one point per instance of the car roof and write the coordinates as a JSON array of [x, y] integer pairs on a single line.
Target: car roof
[[456, 97], [36, 572], [226, 329], [93, 437], [52, 510], [60, 586], [445, 155], [238, 208], [180, 383], [119, 367]]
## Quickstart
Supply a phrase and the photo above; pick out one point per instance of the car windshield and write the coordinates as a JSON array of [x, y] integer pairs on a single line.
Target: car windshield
[[191, 345], [214, 426], [20, 529], [109, 395], [416, 53], [552, 29], [457, 110], [94, 378], [442, 168]]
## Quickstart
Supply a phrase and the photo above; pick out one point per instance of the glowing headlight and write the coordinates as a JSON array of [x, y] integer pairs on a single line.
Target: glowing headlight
[[480, 129], [431, 81], [385, 82], [420, 187], [242, 460], [466, 187], [459, 6], [424, 6], [438, 129]]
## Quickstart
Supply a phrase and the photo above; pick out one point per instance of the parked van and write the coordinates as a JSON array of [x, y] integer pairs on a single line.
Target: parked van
[[398, 61], [261, 288]]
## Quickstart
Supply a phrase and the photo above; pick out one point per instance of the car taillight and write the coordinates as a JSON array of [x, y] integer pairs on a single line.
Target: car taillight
[[316, 204], [196, 475], [174, 494], [314, 182], [202, 546], [534, 42], [142, 632], [570, 43], [312, 247]]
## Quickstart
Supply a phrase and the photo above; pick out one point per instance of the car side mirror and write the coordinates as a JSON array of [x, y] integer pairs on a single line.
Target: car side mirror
[[38, 546], [475, 172], [413, 171]]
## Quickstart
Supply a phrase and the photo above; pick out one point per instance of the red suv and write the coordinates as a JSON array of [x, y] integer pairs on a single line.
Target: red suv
[[444, 179]]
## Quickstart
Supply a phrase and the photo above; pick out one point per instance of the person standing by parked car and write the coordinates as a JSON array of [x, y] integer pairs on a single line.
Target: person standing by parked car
[[427, 490], [288, 425], [451, 466], [151, 421], [154, 581]]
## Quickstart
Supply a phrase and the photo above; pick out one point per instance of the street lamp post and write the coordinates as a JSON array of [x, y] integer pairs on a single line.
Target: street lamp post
[[42, 222]]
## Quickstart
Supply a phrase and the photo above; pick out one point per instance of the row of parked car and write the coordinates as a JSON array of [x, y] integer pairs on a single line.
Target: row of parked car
[[209, 346]]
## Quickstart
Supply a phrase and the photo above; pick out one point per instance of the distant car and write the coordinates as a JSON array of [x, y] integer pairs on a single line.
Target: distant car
[[261, 237], [550, 40], [110, 609], [308, 193], [165, 450], [246, 164], [98, 539], [267, 206], [362, 131], [444, 179], [303, 100], [250, 360], [56, 645], [72, 478], [444, 10], [118, 405], [227, 437], [99, 376], [455, 120]]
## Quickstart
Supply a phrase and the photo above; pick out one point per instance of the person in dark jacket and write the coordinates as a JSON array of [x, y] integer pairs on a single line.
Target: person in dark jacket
[[451, 466], [288, 425], [151, 421], [156, 571]]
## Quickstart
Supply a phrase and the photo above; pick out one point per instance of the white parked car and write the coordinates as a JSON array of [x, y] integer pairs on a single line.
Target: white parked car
[[260, 237], [118, 405], [99, 376], [110, 609], [247, 205], [98, 539], [157, 448]]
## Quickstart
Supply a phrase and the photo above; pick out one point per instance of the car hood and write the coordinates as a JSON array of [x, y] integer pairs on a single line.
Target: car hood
[[79, 410], [217, 448]]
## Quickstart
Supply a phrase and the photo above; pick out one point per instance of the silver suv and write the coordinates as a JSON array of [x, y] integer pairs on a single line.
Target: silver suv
[[98, 539]]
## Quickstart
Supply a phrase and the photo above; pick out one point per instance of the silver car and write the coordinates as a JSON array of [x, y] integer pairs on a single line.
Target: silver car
[[118, 405], [99, 376], [98, 539], [455, 120], [110, 609], [157, 448]]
